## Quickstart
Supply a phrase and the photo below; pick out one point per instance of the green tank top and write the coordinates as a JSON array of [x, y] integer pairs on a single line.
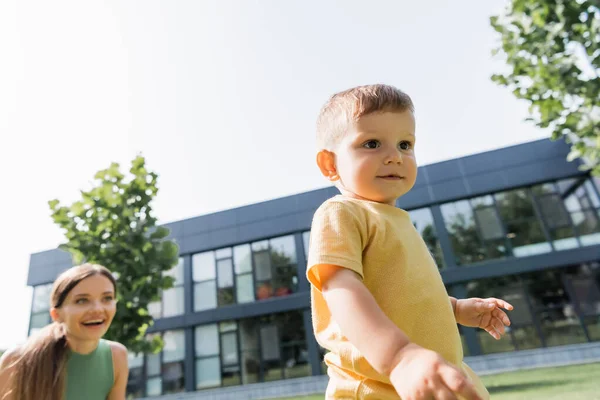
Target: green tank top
[[90, 376]]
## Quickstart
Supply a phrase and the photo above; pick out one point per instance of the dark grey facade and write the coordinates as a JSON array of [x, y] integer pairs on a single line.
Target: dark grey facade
[[519, 222]]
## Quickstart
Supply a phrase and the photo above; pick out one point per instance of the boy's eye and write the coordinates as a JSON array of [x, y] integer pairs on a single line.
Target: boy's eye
[[371, 144], [108, 298], [405, 145]]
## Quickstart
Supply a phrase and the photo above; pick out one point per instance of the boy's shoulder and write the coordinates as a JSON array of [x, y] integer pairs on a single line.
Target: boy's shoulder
[[340, 205]]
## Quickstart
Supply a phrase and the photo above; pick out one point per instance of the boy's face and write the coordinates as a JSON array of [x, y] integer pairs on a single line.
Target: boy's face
[[375, 160]]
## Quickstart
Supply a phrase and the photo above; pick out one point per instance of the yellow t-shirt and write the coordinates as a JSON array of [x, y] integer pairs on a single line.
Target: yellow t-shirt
[[379, 243]]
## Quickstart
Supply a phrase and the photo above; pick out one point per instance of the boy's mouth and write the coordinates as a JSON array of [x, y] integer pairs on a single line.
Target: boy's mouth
[[391, 177]]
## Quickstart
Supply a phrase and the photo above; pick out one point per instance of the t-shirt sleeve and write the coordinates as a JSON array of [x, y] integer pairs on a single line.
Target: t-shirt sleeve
[[336, 238]]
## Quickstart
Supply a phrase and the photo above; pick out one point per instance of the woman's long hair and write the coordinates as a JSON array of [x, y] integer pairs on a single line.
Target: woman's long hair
[[38, 366]]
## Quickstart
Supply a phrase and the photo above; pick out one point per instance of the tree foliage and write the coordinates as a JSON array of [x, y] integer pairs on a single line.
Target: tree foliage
[[553, 53], [113, 225]]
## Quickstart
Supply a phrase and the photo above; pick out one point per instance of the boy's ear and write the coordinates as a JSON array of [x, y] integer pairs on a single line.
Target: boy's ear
[[326, 163]]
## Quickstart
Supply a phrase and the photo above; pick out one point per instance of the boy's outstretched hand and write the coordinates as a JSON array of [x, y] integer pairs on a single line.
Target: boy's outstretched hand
[[422, 374], [483, 313]]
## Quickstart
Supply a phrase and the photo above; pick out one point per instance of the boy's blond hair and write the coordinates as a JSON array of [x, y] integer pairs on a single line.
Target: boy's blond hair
[[344, 108]]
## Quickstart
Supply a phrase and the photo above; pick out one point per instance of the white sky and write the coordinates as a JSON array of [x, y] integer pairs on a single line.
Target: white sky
[[221, 97]]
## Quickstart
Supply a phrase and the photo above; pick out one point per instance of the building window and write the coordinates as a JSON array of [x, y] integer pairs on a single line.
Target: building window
[[551, 307], [252, 350], [205, 281], [462, 229], [306, 243], [523, 227], [135, 383], [165, 370], [244, 283], [422, 219], [582, 203], [40, 308], [246, 273], [172, 301]]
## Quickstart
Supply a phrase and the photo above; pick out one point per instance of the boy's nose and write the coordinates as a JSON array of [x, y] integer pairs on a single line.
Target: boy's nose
[[393, 157]]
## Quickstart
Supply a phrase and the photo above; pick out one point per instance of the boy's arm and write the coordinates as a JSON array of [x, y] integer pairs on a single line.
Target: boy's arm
[[415, 372], [360, 318]]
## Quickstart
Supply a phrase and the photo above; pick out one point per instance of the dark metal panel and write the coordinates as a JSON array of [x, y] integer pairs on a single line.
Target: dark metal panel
[[510, 266], [240, 311]]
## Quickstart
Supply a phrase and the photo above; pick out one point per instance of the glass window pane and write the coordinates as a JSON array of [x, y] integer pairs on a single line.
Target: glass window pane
[[295, 361], [153, 364], [231, 375], [285, 280], [526, 337], [244, 288], [242, 259], [422, 219], [135, 383], [572, 203], [229, 348], [592, 194], [176, 272], [561, 326], [527, 238], [489, 223], [173, 378], [40, 320], [174, 348], [207, 340], [515, 205], [269, 340], [223, 253], [155, 309], [593, 327], [564, 238], [173, 302], [262, 263], [544, 188], [490, 345], [587, 226], [283, 250], [250, 366], [154, 387], [249, 334], [587, 295], [306, 242], [225, 273], [262, 245], [208, 372], [227, 326], [41, 298], [203, 266], [205, 295], [460, 223], [566, 185], [225, 297], [482, 201], [135, 361], [553, 211]]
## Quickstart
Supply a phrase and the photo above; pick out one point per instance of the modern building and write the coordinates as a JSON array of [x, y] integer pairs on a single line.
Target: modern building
[[519, 223]]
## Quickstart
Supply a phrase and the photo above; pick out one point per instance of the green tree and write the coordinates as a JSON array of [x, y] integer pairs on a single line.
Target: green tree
[[113, 225], [553, 53]]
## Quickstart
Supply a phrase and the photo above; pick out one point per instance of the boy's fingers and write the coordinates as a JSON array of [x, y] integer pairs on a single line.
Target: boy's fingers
[[501, 315], [490, 329], [498, 326], [442, 392], [458, 383], [500, 303]]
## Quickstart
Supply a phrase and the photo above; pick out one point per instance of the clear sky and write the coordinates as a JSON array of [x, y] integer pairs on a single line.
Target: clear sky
[[221, 98]]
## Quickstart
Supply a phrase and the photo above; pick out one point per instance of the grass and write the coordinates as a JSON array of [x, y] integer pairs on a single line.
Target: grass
[[576, 382]]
